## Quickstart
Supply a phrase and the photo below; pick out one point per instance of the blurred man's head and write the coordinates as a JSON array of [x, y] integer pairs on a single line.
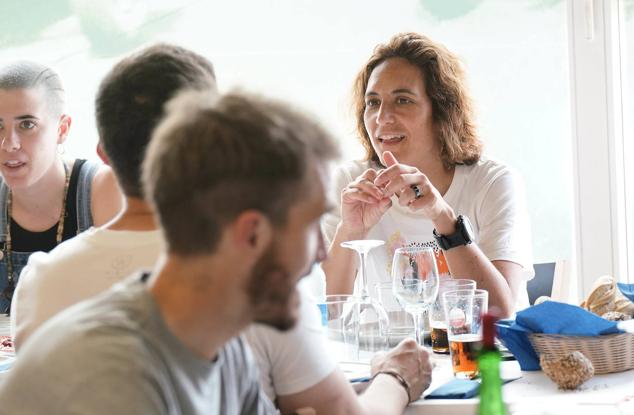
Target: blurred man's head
[[131, 100], [223, 168]]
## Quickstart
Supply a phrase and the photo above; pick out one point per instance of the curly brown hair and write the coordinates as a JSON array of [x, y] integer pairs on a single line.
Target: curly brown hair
[[445, 85]]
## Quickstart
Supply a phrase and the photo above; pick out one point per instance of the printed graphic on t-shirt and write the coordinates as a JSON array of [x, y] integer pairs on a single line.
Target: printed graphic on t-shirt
[[396, 240]]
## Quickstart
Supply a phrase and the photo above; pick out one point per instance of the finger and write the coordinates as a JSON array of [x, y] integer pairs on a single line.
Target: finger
[[377, 359], [368, 187], [426, 362], [385, 204], [389, 158], [369, 174], [408, 344], [402, 186], [392, 172], [425, 198], [350, 194], [411, 194], [368, 177]]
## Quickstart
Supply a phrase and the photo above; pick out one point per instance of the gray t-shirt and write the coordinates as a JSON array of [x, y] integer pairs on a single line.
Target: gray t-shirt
[[114, 354]]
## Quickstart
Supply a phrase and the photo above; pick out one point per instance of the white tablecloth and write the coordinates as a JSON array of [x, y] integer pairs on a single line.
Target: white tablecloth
[[535, 394]]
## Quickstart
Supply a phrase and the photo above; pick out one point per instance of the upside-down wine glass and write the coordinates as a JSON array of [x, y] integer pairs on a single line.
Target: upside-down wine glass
[[371, 330], [415, 282]]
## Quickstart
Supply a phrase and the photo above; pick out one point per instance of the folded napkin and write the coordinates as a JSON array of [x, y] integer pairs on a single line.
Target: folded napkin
[[550, 317], [627, 290], [456, 389]]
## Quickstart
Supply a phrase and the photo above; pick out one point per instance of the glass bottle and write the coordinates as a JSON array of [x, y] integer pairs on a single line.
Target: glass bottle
[[491, 402]]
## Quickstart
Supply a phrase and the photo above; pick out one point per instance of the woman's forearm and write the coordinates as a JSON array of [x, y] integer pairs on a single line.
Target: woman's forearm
[[469, 262]]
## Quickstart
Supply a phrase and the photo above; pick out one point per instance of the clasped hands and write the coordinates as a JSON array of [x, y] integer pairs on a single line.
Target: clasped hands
[[368, 197]]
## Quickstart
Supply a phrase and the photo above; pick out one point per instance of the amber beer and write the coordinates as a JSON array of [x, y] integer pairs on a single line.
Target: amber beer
[[439, 341], [464, 350]]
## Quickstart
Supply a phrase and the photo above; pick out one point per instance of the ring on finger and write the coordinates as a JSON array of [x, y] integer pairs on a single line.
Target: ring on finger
[[417, 192]]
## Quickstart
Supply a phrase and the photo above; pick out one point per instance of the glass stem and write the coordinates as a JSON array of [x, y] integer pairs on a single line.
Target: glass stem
[[417, 330], [364, 277]]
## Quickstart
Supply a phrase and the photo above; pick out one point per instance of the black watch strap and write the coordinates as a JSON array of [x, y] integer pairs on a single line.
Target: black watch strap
[[462, 236]]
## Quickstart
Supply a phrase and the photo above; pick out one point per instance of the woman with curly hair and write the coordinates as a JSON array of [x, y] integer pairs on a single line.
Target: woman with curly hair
[[424, 181]]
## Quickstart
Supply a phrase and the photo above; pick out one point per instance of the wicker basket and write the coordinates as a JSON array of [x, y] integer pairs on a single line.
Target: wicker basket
[[609, 353]]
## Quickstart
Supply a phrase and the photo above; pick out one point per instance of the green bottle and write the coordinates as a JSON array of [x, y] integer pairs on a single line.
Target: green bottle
[[491, 402]]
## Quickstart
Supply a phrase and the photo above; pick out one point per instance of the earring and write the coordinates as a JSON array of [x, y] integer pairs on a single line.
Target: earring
[[61, 149]]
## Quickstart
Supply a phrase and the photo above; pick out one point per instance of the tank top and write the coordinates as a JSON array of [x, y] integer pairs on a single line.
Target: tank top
[[24, 242]]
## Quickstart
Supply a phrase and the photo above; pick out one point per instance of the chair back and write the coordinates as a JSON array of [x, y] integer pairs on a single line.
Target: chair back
[[542, 283]]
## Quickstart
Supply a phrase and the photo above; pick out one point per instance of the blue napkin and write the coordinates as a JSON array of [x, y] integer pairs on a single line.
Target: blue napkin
[[550, 317], [456, 389], [627, 290]]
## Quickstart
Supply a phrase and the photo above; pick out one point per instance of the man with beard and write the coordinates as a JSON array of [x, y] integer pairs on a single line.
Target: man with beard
[[166, 342]]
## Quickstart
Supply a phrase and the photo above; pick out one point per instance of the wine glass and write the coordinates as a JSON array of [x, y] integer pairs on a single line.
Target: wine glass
[[415, 282], [372, 326]]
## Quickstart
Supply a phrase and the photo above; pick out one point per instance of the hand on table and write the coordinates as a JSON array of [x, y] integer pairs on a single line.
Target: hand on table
[[409, 360]]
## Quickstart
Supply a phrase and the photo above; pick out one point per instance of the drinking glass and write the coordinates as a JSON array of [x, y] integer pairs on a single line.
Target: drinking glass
[[463, 314], [372, 327], [339, 317], [415, 282], [401, 323], [437, 322]]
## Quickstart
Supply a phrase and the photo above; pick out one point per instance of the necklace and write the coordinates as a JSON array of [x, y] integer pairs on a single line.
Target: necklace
[[8, 291]]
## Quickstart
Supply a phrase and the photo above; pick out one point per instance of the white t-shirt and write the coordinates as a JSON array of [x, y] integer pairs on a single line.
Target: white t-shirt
[[95, 260], [285, 368], [490, 194], [75, 270]]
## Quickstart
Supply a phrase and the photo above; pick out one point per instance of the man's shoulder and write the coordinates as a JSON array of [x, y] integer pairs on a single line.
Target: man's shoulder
[[236, 354], [304, 339], [67, 255], [95, 245], [74, 354]]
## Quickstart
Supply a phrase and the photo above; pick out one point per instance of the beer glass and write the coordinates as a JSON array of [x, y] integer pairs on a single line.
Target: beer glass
[[415, 282], [439, 341], [463, 315]]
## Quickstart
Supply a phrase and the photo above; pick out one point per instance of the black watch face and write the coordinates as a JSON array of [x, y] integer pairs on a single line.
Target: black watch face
[[468, 228]]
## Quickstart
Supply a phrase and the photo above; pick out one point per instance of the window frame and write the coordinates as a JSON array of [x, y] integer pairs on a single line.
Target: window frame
[[597, 135]]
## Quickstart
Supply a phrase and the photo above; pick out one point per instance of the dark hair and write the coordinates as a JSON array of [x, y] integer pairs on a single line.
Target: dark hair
[[214, 157], [29, 75], [131, 99], [445, 86]]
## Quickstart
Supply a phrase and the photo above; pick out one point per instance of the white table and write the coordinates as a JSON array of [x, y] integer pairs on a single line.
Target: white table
[[536, 394]]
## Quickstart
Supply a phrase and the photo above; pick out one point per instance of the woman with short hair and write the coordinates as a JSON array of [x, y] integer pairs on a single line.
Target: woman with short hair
[[44, 199]]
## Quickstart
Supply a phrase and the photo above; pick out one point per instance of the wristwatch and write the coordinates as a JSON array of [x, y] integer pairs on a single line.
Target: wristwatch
[[462, 236]]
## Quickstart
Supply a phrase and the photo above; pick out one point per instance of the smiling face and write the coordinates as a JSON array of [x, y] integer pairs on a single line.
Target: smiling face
[[29, 134], [297, 246], [398, 112]]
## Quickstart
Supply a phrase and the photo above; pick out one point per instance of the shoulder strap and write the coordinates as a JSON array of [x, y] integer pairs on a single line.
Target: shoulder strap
[[4, 195], [84, 195]]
